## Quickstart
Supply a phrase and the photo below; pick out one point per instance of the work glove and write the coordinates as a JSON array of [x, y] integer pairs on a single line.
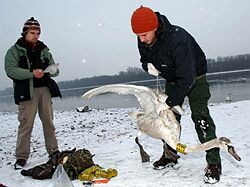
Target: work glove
[[177, 109], [162, 105], [152, 70]]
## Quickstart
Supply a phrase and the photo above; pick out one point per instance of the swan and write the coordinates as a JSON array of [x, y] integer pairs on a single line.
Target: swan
[[228, 99], [158, 121]]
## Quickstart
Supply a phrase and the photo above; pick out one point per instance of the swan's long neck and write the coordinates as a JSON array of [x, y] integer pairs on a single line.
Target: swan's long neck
[[204, 146]]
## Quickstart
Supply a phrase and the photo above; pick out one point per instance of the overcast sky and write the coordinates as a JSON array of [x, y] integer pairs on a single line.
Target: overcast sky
[[93, 37]]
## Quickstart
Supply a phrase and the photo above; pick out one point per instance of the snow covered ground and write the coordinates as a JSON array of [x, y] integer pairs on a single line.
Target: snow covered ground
[[110, 133]]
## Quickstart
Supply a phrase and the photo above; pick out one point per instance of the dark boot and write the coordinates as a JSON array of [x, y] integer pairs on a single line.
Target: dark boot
[[164, 162], [168, 158], [27, 172], [20, 163], [213, 172]]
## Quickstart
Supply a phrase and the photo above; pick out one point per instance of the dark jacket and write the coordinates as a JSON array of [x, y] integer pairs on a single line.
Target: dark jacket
[[177, 56], [19, 65]]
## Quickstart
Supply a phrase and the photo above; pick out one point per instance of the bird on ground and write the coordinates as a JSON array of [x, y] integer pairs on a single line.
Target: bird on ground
[[228, 99], [157, 120]]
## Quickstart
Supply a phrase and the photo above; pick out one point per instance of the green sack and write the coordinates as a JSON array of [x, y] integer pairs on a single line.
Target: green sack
[[76, 162]]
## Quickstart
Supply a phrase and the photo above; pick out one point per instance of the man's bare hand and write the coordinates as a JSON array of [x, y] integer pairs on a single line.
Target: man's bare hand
[[38, 73]]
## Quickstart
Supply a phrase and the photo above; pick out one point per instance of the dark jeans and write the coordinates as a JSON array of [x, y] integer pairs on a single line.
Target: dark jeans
[[204, 125]]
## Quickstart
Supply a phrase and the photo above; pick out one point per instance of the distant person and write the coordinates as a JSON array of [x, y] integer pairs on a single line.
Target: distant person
[[171, 52], [25, 62]]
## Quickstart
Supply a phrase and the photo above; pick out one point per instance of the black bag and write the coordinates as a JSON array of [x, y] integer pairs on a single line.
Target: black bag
[[77, 161], [43, 171]]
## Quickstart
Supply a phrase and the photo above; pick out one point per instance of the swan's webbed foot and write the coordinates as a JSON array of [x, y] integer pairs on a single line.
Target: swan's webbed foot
[[144, 156], [232, 151]]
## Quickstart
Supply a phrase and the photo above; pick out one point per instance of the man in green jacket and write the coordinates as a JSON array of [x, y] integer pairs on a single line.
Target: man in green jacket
[[25, 63], [171, 52]]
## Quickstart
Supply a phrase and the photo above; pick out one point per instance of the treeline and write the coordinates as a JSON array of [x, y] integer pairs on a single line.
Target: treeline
[[77, 86], [229, 63], [81, 85], [131, 74]]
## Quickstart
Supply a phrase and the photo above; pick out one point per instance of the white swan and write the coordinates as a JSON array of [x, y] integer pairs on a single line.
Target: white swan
[[158, 121], [228, 99]]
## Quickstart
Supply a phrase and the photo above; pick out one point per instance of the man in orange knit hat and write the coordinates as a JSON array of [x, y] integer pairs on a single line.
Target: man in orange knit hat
[[171, 52]]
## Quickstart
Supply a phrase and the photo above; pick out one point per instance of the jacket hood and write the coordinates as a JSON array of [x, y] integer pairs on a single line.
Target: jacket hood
[[164, 24], [163, 28]]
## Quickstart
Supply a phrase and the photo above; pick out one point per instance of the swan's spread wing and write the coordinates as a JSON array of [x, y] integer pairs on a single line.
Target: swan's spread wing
[[145, 96]]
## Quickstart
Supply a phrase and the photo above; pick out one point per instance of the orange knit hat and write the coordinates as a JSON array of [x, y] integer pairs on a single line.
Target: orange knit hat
[[143, 20]]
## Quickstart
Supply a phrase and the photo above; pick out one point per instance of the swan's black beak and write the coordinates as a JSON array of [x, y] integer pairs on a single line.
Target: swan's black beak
[[232, 151]]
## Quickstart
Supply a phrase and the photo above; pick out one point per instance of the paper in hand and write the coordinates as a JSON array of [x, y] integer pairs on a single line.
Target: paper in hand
[[51, 68]]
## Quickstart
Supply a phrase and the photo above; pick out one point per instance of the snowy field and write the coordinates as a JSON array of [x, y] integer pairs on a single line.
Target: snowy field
[[110, 133]]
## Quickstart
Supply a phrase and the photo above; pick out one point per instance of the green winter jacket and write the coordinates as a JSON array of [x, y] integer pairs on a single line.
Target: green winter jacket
[[19, 70]]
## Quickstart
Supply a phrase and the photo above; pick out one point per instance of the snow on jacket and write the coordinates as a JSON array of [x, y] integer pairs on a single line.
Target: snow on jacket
[[177, 56]]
